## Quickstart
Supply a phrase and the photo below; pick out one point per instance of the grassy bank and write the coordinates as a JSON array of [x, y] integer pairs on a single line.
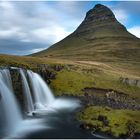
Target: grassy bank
[[112, 121], [74, 79]]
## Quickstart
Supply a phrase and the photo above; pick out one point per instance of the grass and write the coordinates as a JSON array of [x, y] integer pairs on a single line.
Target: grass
[[76, 76], [118, 119], [26, 62], [73, 81], [96, 47]]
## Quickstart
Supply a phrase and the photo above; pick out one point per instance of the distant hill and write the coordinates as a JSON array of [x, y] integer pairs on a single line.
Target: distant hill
[[99, 37]]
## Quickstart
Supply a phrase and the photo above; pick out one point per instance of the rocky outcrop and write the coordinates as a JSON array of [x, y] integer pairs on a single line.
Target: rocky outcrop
[[131, 82], [48, 72], [99, 13], [17, 85], [109, 97]]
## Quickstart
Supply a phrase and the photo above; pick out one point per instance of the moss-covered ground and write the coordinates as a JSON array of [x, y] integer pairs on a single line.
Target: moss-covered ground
[[119, 121]]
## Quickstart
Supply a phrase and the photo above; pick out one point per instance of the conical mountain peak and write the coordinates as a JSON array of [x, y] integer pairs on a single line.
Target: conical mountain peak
[[100, 21], [99, 37], [99, 13]]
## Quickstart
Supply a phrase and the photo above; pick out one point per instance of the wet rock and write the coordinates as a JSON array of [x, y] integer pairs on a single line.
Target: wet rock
[[48, 72], [82, 126]]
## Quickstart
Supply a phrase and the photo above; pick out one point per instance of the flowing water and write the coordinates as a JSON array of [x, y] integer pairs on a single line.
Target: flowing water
[[47, 116], [42, 94], [27, 92], [10, 113]]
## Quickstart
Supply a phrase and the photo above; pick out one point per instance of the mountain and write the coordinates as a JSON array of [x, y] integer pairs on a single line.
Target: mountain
[[99, 37]]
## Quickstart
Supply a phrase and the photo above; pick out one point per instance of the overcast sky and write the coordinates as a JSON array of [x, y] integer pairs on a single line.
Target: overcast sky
[[28, 27]]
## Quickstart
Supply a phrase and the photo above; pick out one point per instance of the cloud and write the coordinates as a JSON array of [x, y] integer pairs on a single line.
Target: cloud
[[13, 46], [37, 22], [9, 32], [135, 30], [53, 34], [132, 7], [121, 15], [31, 19], [29, 26]]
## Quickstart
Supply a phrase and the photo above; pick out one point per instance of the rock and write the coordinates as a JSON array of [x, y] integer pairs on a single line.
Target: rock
[[110, 98], [130, 82], [99, 13], [58, 67], [47, 74], [33, 113], [82, 126], [103, 119], [131, 129]]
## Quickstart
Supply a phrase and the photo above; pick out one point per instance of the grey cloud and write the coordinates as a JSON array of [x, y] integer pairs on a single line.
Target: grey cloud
[[15, 47], [32, 25], [131, 6]]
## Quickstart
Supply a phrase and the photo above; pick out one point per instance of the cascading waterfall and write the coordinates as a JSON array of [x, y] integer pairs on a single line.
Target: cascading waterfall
[[42, 94], [27, 92], [11, 121], [38, 98], [11, 113], [6, 77]]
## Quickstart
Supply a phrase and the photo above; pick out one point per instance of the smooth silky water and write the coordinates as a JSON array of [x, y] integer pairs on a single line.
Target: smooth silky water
[[46, 115]]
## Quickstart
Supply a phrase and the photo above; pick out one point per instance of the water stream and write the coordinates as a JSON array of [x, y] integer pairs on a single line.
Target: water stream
[[46, 116], [9, 113], [27, 92]]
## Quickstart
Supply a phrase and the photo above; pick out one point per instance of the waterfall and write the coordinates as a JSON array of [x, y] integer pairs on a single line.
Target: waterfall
[[37, 96], [27, 92], [6, 77], [11, 113], [42, 94], [12, 123]]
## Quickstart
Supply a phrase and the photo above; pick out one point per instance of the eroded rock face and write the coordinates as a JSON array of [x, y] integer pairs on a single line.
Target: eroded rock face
[[109, 97], [17, 85], [99, 13], [49, 72]]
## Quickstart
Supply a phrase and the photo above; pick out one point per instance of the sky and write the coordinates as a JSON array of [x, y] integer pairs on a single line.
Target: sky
[[28, 27]]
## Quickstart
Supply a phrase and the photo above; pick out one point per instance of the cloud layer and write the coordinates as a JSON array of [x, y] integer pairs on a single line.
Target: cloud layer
[[28, 27], [35, 22], [135, 30]]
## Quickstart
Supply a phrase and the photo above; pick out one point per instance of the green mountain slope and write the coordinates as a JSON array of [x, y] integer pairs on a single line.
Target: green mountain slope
[[99, 37]]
